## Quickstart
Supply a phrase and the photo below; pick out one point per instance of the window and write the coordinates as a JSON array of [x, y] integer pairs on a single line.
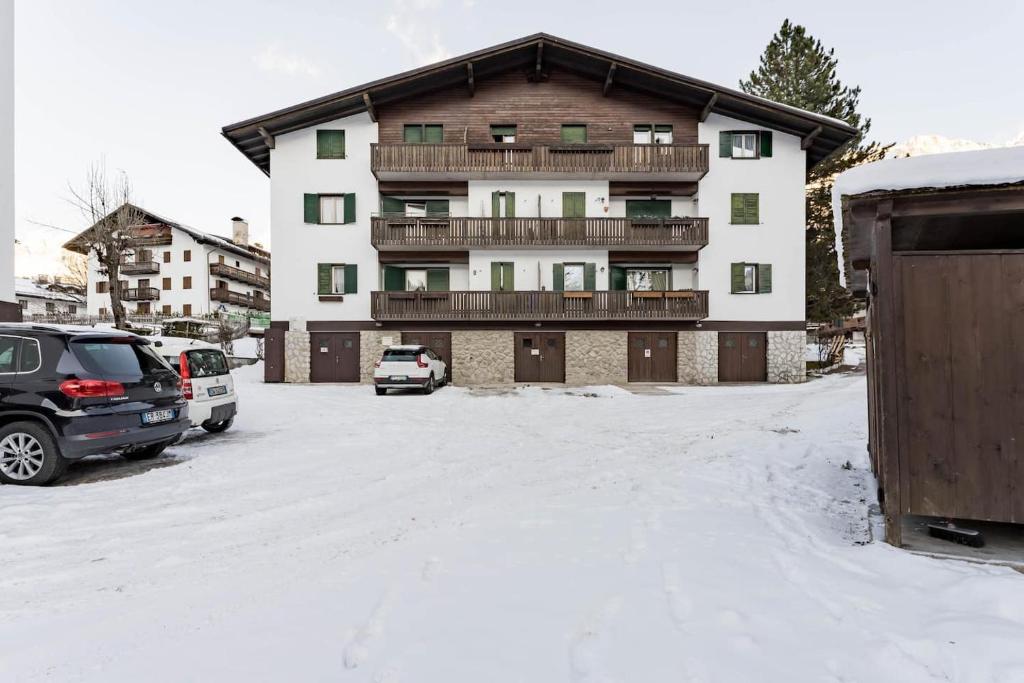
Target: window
[[337, 279], [330, 144], [745, 144], [186, 309], [186, 282], [575, 277], [329, 209], [503, 204], [24, 304], [102, 287], [647, 279], [8, 354], [334, 279], [116, 358], [103, 312], [503, 276], [652, 133], [505, 134], [573, 281], [423, 133], [167, 257], [238, 264], [220, 258], [167, 283], [186, 255], [648, 208], [51, 307], [416, 280], [72, 309], [574, 133], [207, 363], [745, 209], [165, 309], [751, 278], [31, 360]]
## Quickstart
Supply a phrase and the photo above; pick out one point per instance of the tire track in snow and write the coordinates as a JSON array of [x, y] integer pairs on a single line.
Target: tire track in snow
[[359, 646], [586, 659]]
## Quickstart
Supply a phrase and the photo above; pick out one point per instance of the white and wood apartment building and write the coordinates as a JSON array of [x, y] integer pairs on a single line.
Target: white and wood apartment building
[[540, 211], [175, 270]]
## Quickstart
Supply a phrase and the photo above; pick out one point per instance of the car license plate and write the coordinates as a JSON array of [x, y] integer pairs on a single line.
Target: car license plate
[[398, 378], [217, 391], [157, 416]]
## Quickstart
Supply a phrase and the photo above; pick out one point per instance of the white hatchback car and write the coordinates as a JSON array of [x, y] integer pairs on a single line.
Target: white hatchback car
[[206, 381], [408, 366]]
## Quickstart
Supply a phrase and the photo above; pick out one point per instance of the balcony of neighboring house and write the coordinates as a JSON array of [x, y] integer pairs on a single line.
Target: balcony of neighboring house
[[602, 161], [224, 295], [239, 275], [140, 294], [151, 235], [140, 267], [535, 306]]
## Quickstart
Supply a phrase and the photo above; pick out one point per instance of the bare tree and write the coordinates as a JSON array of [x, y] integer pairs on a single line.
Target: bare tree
[[106, 203], [76, 269]]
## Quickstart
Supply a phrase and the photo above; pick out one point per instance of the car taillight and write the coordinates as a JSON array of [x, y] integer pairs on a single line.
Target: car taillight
[[420, 363], [186, 376], [91, 388]]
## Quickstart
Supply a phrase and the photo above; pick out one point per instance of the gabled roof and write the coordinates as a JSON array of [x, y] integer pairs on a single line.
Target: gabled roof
[[822, 135], [75, 243]]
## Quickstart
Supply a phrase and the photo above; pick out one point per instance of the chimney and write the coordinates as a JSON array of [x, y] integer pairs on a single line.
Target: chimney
[[239, 231]]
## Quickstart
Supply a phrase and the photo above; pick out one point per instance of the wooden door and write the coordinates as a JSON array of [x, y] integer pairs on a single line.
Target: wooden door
[[273, 355], [742, 357], [334, 357], [540, 356], [652, 357], [438, 342]]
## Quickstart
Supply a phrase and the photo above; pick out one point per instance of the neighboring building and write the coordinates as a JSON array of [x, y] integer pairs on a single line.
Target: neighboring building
[[9, 309], [540, 211], [176, 270], [41, 298]]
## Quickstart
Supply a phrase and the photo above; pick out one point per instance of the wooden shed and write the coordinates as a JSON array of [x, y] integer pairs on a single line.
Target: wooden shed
[[936, 244]]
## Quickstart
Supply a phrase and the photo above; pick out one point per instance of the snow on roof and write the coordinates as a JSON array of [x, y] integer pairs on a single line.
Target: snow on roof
[[24, 286], [984, 167]]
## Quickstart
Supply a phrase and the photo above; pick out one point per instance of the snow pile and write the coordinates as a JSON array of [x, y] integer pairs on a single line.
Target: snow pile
[[714, 534]]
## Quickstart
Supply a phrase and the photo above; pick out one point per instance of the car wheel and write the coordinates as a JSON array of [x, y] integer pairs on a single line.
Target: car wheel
[[428, 388], [380, 390], [146, 452], [218, 427], [29, 455]]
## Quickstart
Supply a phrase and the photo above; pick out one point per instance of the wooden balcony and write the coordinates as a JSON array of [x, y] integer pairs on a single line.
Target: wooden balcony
[[140, 268], [539, 306], [597, 162], [151, 235], [225, 295], [239, 275], [140, 294], [400, 232]]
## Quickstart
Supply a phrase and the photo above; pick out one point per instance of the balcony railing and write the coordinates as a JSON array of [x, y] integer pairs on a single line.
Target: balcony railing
[[460, 161], [397, 232], [225, 295], [140, 268], [140, 294], [538, 306], [239, 275]]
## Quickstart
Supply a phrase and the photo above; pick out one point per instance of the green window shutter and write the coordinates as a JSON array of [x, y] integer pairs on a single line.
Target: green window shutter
[[617, 278], [648, 208], [725, 144], [413, 133], [437, 280], [330, 144], [590, 276], [558, 279], [350, 208], [510, 205], [751, 203], [351, 278], [495, 204], [394, 279], [764, 278], [323, 278], [574, 134], [766, 143], [311, 208], [503, 130], [437, 207], [737, 209], [737, 278], [433, 134], [508, 276], [573, 204], [495, 276], [392, 205]]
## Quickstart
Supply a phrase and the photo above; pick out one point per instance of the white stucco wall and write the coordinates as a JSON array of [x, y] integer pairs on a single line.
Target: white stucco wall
[[299, 247], [549, 193], [778, 240], [7, 151]]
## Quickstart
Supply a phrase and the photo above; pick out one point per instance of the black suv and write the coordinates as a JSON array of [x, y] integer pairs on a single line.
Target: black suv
[[69, 392]]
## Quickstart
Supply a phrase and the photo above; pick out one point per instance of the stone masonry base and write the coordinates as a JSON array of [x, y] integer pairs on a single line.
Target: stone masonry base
[[596, 357], [296, 356], [483, 356], [697, 357], [786, 357]]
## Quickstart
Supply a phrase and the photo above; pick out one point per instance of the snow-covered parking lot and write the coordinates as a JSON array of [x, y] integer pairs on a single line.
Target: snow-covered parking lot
[[709, 534]]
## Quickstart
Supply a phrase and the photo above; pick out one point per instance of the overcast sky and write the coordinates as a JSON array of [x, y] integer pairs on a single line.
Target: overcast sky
[[147, 86]]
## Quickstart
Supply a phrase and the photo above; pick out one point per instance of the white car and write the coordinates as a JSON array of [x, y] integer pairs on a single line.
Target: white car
[[408, 366], [206, 381]]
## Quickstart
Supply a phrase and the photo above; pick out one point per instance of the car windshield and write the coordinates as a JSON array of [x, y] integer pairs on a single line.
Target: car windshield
[[110, 357], [207, 363], [400, 355]]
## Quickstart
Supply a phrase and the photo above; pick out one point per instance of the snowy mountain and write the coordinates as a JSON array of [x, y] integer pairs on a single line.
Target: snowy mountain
[[919, 145]]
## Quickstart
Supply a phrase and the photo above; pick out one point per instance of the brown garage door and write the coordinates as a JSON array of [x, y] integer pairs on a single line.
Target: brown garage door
[[652, 357], [540, 356], [273, 355], [334, 357], [742, 357], [438, 342]]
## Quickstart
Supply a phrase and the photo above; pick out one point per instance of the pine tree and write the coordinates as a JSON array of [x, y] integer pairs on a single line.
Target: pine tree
[[797, 70]]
